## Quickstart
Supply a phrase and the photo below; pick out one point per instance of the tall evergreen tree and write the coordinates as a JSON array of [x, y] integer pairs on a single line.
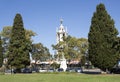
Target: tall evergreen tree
[[101, 38], [1, 53], [18, 48]]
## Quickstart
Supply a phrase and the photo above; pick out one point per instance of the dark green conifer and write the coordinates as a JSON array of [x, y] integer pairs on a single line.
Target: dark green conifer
[[18, 50], [1, 53], [101, 38]]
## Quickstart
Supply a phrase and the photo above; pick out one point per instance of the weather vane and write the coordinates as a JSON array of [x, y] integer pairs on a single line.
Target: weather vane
[[61, 21]]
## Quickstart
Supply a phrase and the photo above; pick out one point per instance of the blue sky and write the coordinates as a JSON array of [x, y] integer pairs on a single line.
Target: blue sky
[[43, 16]]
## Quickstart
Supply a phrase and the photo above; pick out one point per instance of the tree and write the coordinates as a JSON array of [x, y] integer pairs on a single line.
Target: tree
[[101, 38], [39, 52], [1, 53], [5, 34], [54, 65], [73, 48], [18, 48]]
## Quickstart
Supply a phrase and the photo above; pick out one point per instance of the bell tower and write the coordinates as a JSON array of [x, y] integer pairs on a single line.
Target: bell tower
[[61, 32]]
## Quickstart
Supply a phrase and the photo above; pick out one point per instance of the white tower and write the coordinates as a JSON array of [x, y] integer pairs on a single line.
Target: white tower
[[61, 32]]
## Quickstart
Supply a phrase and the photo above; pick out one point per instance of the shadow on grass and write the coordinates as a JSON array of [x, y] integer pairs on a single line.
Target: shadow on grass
[[91, 72]]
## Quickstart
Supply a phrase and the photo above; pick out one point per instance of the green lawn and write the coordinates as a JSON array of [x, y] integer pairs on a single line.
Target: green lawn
[[73, 77]]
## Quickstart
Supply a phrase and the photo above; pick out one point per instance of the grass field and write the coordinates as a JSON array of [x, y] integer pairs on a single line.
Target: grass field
[[60, 77]]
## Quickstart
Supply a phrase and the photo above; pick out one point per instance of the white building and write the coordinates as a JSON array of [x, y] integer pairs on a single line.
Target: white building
[[61, 32]]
